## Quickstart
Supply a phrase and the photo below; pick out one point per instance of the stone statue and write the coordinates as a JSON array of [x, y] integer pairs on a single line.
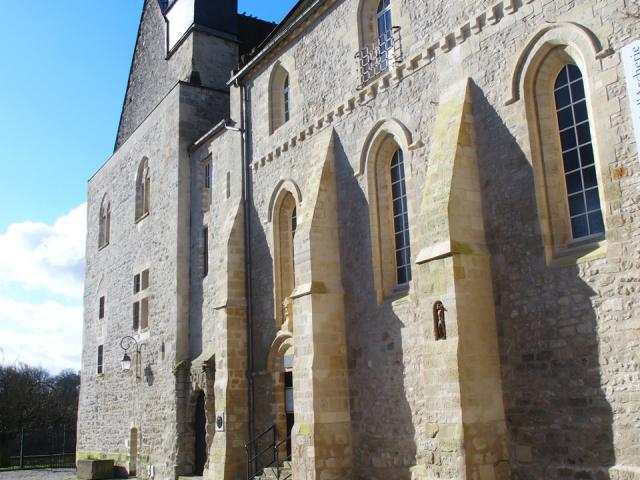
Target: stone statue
[[439, 320]]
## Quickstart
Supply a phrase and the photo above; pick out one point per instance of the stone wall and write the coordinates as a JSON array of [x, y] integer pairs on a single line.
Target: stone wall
[[541, 337], [566, 329], [114, 402]]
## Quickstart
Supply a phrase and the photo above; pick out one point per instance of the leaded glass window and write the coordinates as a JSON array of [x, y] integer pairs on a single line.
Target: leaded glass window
[[400, 219], [577, 155]]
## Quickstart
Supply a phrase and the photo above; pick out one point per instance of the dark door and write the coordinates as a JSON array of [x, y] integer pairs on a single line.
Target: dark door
[[288, 403], [200, 427]]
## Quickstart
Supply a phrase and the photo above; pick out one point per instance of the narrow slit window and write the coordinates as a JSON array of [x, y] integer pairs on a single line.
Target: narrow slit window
[[136, 283], [581, 181], [286, 99], [101, 308], [136, 316], [144, 279], [400, 219], [207, 174], [294, 222], [144, 314], [205, 251], [100, 368]]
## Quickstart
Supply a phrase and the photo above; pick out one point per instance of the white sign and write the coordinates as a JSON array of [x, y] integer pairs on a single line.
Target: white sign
[[631, 60]]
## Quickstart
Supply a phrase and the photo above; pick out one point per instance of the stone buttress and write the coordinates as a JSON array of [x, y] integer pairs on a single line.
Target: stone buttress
[[461, 361], [322, 431]]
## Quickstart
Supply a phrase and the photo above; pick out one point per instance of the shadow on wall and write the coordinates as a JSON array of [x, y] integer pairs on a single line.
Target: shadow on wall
[[264, 328], [383, 432], [560, 423]]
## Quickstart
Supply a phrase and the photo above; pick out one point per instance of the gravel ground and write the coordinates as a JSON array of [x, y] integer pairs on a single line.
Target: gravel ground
[[55, 474]]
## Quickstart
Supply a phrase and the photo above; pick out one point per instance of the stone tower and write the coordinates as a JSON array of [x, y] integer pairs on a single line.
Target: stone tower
[[139, 270]]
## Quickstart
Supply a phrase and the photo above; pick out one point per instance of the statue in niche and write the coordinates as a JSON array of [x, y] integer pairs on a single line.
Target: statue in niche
[[439, 321]]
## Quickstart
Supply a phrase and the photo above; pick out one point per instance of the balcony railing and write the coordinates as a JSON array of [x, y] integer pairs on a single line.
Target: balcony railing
[[379, 57]]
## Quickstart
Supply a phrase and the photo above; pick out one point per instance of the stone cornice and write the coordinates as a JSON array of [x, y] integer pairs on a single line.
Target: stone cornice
[[476, 25]]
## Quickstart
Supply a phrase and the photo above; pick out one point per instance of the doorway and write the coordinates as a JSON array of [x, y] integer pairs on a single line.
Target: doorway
[[200, 428], [133, 452], [288, 406]]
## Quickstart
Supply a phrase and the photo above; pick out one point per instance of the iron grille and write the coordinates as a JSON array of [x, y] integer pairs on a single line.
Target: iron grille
[[379, 57]]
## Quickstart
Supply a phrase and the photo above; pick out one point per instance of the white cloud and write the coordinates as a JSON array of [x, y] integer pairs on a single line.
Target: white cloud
[[47, 335], [44, 262], [37, 256]]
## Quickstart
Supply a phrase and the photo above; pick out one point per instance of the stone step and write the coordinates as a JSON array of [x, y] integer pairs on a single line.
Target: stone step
[[271, 473]]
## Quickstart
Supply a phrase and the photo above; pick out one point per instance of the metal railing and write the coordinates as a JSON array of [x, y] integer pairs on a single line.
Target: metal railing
[[255, 467], [379, 57], [52, 447]]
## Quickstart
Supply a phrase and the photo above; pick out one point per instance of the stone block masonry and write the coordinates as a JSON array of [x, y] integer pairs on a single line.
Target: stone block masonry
[[511, 350]]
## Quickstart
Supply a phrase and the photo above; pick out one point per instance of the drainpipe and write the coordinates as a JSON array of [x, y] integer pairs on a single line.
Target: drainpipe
[[246, 199]]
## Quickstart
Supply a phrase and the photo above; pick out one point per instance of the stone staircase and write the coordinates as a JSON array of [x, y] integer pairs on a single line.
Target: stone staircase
[[273, 473]]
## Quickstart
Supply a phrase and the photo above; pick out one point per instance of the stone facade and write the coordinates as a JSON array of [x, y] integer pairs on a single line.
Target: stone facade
[[512, 351]]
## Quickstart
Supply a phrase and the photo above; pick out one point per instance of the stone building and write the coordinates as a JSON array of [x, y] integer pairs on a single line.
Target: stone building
[[385, 239]]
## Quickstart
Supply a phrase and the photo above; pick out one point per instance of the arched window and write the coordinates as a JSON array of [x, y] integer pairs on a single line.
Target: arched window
[[385, 34], [383, 161], [104, 224], [279, 97], [143, 184], [285, 98], [286, 223], [563, 151], [577, 154], [400, 219]]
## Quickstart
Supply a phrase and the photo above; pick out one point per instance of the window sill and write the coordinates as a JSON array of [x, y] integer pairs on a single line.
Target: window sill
[[100, 375], [102, 247], [141, 217], [580, 252], [399, 295]]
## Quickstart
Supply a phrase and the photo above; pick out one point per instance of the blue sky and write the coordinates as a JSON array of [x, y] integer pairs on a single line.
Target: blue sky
[[63, 77]]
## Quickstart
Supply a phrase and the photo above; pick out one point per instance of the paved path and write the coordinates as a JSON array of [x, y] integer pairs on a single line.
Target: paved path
[[55, 474]]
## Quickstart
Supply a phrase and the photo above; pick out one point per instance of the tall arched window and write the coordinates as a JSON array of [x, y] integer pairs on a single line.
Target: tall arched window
[[279, 97], [286, 99], [385, 34], [400, 219], [577, 154], [143, 184], [104, 225], [286, 224], [383, 160], [563, 151]]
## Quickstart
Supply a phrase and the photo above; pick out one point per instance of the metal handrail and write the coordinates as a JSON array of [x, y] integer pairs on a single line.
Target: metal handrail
[[252, 471], [275, 445]]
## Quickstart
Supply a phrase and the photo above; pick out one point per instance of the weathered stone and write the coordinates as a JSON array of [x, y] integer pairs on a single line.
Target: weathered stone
[[94, 469], [537, 374]]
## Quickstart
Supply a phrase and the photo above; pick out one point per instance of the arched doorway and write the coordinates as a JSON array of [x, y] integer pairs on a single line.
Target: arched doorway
[[287, 363], [200, 429]]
